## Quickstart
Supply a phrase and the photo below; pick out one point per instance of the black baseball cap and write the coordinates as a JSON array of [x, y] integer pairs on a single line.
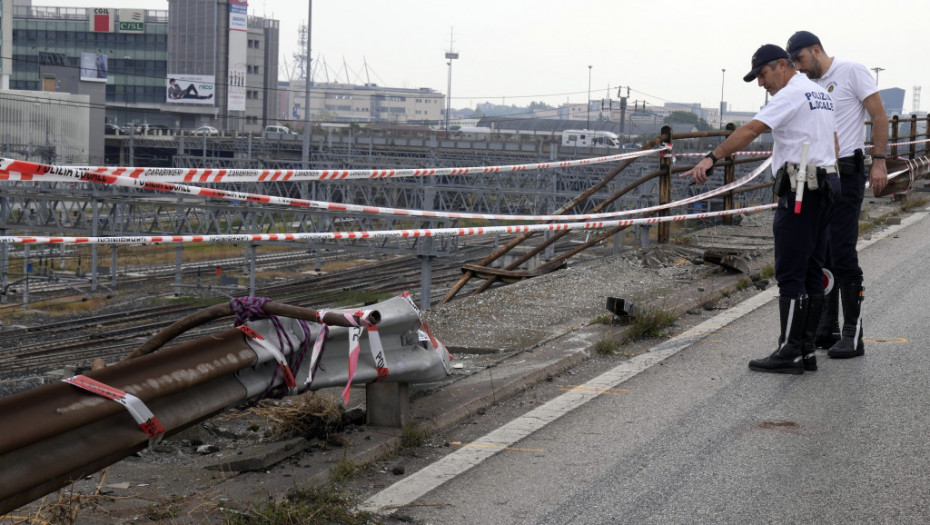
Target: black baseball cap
[[763, 56], [799, 41]]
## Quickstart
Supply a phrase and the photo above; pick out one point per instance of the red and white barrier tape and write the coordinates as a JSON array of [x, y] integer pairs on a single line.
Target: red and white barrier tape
[[19, 170], [135, 406], [903, 143], [117, 180], [737, 154], [381, 234], [319, 344], [275, 354], [355, 347]]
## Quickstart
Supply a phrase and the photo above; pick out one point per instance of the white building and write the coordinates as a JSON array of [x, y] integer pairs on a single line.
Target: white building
[[332, 102]]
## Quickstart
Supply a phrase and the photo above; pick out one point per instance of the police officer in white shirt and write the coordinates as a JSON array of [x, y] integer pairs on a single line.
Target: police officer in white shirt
[[800, 112], [855, 93]]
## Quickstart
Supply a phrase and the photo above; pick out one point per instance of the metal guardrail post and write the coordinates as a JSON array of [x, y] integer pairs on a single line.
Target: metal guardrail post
[[665, 187], [913, 140]]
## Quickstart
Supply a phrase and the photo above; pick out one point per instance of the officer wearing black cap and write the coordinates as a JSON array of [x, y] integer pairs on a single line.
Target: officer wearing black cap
[[800, 117], [855, 93]]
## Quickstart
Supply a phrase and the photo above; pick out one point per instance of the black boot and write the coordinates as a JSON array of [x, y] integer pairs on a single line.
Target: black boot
[[828, 329], [814, 310], [850, 344], [787, 358]]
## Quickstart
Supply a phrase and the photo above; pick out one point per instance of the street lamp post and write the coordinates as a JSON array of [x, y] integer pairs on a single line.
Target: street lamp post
[[589, 97], [450, 56], [877, 70]]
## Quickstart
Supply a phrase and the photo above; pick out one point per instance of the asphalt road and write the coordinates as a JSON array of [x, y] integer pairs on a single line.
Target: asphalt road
[[687, 434]]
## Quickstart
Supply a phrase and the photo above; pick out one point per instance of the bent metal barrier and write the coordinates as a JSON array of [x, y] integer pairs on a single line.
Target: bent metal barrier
[[60, 432]]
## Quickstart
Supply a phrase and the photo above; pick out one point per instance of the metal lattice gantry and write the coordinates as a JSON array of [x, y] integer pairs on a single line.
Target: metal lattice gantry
[[86, 209]]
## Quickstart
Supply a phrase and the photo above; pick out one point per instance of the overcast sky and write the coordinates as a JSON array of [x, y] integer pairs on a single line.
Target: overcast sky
[[518, 51]]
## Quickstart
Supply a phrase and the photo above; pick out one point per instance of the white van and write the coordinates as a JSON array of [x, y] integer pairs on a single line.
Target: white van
[[283, 130], [586, 138]]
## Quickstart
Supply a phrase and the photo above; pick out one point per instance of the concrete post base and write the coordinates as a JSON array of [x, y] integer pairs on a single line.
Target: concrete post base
[[388, 404]]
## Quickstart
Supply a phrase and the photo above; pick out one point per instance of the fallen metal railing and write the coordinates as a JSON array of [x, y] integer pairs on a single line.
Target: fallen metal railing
[[61, 432]]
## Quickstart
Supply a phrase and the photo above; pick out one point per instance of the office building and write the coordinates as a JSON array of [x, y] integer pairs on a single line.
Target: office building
[[223, 61], [334, 102]]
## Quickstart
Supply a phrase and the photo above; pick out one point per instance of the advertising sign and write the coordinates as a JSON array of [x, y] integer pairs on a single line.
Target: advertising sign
[[131, 21], [94, 67], [190, 89], [238, 45], [101, 19]]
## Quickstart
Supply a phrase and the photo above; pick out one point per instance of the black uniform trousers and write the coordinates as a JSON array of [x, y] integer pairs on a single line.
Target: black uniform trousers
[[842, 258], [801, 239]]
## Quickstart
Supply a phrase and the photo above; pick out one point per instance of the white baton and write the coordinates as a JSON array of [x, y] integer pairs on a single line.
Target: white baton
[[801, 178]]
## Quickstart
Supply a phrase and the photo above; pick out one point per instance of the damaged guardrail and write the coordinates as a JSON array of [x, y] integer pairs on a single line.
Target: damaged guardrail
[[60, 432]]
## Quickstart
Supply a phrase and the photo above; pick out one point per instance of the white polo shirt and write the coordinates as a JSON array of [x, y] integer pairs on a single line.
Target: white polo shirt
[[849, 83], [800, 112]]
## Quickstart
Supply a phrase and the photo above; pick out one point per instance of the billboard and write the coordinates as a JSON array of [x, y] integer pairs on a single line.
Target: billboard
[[190, 89], [94, 67], [101, 20], [238, 46], [131, 21]]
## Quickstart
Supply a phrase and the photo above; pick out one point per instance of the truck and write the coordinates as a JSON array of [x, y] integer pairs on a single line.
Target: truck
[[586, 138]]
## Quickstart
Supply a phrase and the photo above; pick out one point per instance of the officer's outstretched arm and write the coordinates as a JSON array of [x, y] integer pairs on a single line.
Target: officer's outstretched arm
[[737, 140]]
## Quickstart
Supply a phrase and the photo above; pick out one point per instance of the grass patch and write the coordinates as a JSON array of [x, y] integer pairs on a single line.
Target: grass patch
[[910, 204], [158, 512], [306, 506], [768, 272], [345, 469], [603, 319], [649, 323], [870, 224], [743, 283], [608, 346], [413, 435], [726, 292]]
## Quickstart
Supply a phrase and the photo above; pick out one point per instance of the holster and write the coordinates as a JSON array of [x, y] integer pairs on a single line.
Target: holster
[[786, 181], [781, 186], [855, 163]]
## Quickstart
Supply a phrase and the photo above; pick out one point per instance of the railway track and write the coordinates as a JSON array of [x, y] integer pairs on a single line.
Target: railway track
[[77, 342]]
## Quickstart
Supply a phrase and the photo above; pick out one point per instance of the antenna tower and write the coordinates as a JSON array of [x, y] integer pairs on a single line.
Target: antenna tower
[[300, 57], [916, 106]]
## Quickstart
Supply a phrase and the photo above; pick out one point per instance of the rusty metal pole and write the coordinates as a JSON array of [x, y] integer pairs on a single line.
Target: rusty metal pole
[[665, 187], [913, 149], [218, 311], [532, 253], [927, 135], [561, 211], [729, 173], [894, 136]]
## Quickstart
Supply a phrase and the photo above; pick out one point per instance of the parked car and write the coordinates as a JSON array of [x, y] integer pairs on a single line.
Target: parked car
[[157, 129], [283, 130], [112, 129], [206, 130]]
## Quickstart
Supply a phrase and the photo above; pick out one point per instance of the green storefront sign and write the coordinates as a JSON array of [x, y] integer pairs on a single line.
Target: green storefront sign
[[132, 27]]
